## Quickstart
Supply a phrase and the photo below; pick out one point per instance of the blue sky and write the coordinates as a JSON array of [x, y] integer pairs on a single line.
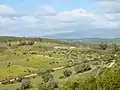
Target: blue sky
[[49, 17], [25, 6]]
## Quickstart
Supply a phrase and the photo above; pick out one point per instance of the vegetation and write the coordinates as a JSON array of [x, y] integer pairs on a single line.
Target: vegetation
[[82, 68], [67, 73], [103, 46], [26, 84], [70, 66]]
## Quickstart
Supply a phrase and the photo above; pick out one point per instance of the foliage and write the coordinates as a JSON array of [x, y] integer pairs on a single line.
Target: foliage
[[47, 76], [103, 46], [51, 84], [114, 48], [25, 84], [110, 80], [81, 68], [67, 73]]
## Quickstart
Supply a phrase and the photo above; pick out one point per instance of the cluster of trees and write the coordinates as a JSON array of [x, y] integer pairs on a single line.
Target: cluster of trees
[[82, 68], [49, 82], [22, 43], [103, 46], [114, 48], [110, 80], [25, 84]]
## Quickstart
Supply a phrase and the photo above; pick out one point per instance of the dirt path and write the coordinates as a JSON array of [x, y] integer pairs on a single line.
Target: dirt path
[[35, 74], [111, 64]]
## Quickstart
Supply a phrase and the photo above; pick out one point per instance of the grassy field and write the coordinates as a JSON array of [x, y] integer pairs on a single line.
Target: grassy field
[[20, 60]]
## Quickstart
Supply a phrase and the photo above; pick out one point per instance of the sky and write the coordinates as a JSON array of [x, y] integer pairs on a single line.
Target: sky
[[100, 18]]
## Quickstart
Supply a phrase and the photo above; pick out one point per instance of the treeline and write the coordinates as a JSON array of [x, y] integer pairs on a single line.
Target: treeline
[[12, 39]]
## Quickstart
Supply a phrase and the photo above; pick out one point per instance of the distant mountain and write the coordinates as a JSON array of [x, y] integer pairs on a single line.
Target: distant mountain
[[69, 35], [99, 40], [92, 33], [93, 36]]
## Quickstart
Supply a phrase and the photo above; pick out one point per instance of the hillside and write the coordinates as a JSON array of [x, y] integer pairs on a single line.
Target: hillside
[[55, 62], [96, 40]]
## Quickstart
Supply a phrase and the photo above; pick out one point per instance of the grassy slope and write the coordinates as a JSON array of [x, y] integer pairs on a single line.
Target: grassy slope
[[19, 63]]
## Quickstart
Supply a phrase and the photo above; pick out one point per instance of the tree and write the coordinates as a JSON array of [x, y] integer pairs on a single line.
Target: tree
[[51, 84], [115, 48], [103, 46], [47, 76], [26, 83], [110, 79], [81, 68], [67, 73], [30, 42]]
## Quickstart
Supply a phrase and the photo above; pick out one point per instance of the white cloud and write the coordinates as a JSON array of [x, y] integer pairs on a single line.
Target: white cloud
[[4, 10], [110, 6], [111, 12], [45, 11], [46, 20]]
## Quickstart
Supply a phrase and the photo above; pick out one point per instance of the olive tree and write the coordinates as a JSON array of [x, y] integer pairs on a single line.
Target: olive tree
[[26, 84]]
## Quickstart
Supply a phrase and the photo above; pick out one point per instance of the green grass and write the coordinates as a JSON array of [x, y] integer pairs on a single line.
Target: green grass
[[21, 64]]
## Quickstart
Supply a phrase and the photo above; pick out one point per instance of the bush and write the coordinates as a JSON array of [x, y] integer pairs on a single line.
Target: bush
[[110, 80], [17, 88], [61, 77], [103, 46], [51, 85], [22, 43], [26, 84], [67, 73], [71, 86], [47, 76], [30, 42], [81, 68]]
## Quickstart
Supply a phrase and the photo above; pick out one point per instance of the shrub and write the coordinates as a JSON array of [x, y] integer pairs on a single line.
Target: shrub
[[110, 80], [47, 76], [61, 77], [25, 84], [71, 85], [81, 68], [103, 46], [67, 73], [22, 43], [30, 42], [17, 88], [51, 85]]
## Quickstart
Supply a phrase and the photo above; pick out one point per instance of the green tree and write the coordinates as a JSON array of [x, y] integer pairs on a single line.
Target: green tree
[[51, 84], [26, 84], [67, 73], [81, 68], [103, 46], [47, 76]]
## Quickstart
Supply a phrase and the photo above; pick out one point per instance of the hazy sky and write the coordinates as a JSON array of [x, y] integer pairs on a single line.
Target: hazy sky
[[44, 17]]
